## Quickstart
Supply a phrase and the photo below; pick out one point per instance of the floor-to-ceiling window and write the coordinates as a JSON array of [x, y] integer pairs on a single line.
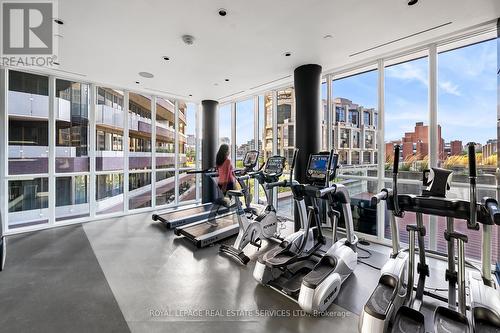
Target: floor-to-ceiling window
[[245, 134], [285, 145], [72, 162], [265, 134], [140, 125], [165, 151], [245, 140], [324, 115], [225, 125], [407, 124], [353, 130], [28, 149], [53, 154], [110, 120], [467, 104], [187, 151]]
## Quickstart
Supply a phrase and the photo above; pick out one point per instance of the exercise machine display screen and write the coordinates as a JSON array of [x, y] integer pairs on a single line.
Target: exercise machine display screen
[[250, 159], [318, 166], [319, 163], [275, 165]]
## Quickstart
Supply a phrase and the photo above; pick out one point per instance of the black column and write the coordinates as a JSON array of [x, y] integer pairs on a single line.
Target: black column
[[209, 143], [307, 82]]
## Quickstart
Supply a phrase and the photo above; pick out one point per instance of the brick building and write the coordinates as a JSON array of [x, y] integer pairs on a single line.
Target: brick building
[[416, 143]]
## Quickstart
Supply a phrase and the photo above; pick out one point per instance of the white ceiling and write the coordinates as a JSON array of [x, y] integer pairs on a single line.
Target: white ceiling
[[112, 41]]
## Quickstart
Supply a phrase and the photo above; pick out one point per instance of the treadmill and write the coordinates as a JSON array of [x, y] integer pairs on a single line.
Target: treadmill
[[183, 216], [203, 233]]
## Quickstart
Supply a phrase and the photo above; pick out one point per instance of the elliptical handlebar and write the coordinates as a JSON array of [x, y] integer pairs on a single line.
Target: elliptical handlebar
[[395, 165], [395, 169], [492, 207], [244, 177], [194, 171], [472, 222], [382, 195], [471, 149], [294, 160], [282, 183], [325, 191]]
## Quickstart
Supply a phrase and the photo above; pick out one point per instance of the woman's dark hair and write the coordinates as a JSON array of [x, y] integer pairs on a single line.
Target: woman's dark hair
[[222, 154]]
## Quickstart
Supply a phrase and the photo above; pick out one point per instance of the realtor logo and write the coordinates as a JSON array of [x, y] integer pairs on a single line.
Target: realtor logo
[[27, 28]]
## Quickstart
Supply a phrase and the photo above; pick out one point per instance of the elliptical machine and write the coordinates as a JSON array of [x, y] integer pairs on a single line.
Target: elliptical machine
[[264, 225], [392, 306], [297, 267], [390, 292]]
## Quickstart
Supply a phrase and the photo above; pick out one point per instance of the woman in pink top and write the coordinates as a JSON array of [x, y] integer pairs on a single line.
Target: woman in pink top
[[225, 169]]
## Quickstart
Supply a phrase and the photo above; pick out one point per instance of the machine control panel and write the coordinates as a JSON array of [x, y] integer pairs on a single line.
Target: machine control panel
[[275, 165], [251, 158], [318, 166]]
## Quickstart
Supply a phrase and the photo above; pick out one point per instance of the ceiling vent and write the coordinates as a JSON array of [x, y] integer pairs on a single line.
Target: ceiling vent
[[188, 39], [400, 39]]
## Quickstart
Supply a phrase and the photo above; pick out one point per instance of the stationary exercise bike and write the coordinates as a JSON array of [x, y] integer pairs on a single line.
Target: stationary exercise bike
[[298, 267], [243, 178], [264, 225]]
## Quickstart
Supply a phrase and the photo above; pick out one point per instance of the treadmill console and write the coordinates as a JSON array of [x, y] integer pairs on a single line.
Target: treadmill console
[[318, 167], [251, 158], [274, 166]]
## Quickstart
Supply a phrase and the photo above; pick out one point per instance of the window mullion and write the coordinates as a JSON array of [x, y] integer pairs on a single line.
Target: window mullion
[[433, 132], [381, 147], [52, 150], [153, 152]]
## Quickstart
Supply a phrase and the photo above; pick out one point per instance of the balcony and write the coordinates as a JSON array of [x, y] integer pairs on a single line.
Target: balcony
[[37, 106], [106, 115], [109, 160]]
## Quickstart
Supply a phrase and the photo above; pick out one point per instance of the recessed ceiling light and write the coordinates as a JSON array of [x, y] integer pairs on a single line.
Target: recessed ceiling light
[[327, 36], [412, 2], [287, 54], [59, 21], [227, 80], [146, 75], [190, 95], [137, 82], [222, 12], [166, 58]]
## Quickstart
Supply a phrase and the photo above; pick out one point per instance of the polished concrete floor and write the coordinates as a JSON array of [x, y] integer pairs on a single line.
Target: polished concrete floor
[[132, 274], [157, 277]]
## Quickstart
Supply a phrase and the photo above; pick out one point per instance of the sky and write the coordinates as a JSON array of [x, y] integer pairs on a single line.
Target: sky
[[191, 118], [467, 99]]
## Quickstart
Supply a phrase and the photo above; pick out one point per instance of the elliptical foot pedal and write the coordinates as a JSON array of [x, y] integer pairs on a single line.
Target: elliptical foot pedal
[[235, 254], [408, 320], [448, 320]]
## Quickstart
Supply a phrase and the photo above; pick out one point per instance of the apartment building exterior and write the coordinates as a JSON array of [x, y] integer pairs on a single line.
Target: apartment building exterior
[[353, 129], [28, 152]]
